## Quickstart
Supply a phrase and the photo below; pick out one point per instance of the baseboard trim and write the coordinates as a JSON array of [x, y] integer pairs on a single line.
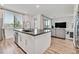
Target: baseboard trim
[[20, 48], [58, 37]]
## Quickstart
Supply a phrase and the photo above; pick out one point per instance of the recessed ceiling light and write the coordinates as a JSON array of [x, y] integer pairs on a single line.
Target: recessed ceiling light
[[37, 6]]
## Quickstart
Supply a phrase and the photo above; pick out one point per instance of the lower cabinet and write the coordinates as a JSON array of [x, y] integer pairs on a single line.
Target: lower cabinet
[[60, 32], [30, 45], [34, 44], [42, 43], [53, 32], [21, 40], [26, 42]]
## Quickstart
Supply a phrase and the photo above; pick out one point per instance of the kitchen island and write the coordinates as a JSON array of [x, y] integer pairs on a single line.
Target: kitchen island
[[34, 41]]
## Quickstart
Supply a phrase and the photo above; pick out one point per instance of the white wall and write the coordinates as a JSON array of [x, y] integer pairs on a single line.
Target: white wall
[[39, 19], [68, 19], [30, 19]]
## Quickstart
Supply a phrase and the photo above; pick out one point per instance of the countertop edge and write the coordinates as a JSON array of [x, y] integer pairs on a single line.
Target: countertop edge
[[32, 34]]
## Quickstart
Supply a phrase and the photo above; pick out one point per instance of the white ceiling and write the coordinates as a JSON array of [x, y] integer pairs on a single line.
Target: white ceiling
[[46, 9]]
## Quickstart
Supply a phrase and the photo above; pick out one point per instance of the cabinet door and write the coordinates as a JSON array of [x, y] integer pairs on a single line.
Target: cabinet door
[[22, 40], [26, 42], [42, 42], [19, 39], [29, 43], [60, 32], [53, 32]]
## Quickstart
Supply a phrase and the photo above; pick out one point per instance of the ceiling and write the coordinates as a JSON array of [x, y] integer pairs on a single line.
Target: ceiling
[[46, 9]]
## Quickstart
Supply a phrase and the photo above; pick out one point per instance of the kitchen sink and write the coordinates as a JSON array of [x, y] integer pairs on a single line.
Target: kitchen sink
[[27, 30]]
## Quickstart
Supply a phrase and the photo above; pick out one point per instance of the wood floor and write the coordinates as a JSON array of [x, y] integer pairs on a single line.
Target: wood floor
[[58, 46], [9, 47]]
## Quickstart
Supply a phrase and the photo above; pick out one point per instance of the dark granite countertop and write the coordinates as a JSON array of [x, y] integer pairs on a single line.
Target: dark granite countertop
[[33, 32]]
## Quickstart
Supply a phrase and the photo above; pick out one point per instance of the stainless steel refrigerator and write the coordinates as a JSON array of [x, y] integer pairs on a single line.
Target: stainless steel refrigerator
[[76, 39], [1, 29], [1, 24]]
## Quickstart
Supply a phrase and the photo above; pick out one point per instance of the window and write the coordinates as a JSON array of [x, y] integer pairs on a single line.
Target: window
[[18, 23], [11, 21], [47, 23], [8, 20], [8, 24], [35, 22]]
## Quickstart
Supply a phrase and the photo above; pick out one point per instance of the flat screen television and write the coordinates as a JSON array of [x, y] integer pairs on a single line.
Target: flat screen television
[[60, 25]]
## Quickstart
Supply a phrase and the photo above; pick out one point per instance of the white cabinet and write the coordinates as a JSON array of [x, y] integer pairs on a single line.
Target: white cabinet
[[34, 44], [42, 42], [53, 32], [29, 43], [21, 40], [60, 32], [26, 42]]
